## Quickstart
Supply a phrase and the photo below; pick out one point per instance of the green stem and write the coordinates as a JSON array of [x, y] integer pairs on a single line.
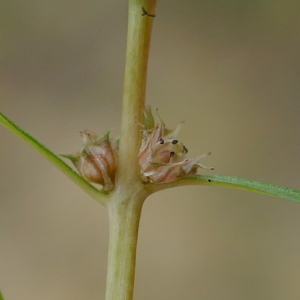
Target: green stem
[[138, 42], [127, 199], [124, 217], [232, 182], [99, 195]]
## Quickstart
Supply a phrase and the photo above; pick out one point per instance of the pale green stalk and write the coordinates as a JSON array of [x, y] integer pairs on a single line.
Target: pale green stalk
[[124, 218], [127, 199], [138, 41], [99, 195], [232, 182]]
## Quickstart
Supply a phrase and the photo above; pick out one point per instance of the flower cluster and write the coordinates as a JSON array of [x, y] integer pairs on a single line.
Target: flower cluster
[[162, 157], [97, 160]]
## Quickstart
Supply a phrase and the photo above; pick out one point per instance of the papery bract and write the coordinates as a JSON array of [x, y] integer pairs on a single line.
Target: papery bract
[[162, 158], [97, 160]]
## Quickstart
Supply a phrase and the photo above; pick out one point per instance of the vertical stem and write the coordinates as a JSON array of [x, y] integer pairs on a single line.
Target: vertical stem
[[124, 217], [138, 41], [127, 199]]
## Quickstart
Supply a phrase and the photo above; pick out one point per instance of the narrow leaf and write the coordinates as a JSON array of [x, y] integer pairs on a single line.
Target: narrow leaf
[[54, 159], [1, 296], [235, 183]]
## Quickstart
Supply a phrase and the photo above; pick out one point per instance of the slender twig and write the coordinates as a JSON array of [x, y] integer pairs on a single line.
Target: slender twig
[[138, 42], [129, 194], [99, 195], [231, 182]]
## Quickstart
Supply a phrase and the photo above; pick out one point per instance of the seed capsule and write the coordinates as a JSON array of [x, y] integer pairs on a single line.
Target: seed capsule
[[96, 161]]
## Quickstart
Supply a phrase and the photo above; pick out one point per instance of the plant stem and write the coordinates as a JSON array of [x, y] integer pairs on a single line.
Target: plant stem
[[124, 217], [98, 195], [231, 182], [125, 206], [138, 42]]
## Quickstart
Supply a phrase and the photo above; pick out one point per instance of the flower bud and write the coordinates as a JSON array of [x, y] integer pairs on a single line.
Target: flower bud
[[162, 157], [97, 160]]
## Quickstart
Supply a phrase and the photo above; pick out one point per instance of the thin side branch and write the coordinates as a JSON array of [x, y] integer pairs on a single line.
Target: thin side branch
[[99, 195], [232, 182]]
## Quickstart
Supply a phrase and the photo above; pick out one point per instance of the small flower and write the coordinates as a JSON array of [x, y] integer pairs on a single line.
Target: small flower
[[97, 160], [162, 157]]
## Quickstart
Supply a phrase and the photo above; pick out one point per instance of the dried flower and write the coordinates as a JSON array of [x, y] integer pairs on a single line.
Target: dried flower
[[97, 160], [162, 157]]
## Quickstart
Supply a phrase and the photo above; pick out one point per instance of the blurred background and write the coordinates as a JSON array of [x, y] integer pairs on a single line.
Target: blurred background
[[230, 70]]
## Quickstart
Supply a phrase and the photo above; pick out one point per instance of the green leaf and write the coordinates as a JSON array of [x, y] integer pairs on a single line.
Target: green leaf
[[148, 118], [1, 296], [54, 159], [235, 183]]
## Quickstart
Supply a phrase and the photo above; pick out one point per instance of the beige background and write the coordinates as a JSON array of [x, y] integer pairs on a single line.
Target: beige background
[[231, 70]]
